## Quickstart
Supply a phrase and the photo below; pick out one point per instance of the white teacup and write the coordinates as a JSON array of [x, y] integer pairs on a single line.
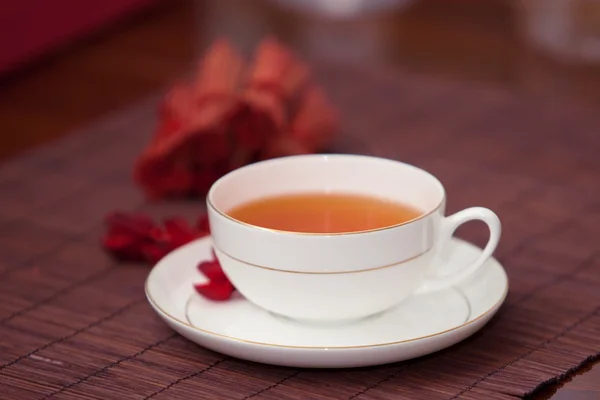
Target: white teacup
[[345, 276]]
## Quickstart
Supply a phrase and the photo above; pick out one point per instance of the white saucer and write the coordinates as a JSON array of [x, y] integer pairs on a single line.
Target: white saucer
[[421, 325]]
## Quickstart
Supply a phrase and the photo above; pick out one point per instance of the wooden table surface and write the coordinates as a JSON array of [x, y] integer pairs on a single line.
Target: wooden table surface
[[467, 40]]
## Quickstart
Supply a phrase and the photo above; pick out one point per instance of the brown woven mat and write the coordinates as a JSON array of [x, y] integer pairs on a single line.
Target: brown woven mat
[[75, 325]]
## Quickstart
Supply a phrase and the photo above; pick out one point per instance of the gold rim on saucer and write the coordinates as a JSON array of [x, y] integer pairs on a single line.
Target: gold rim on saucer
[[189, 325]]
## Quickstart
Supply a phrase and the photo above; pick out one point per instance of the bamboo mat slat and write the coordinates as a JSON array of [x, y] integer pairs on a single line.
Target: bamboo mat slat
[[76, 325]]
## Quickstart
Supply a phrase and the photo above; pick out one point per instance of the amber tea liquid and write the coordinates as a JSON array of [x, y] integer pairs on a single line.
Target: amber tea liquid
[[323, 213]]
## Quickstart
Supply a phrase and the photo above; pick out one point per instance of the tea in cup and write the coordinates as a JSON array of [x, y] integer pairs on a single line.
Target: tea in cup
[[330, 238]]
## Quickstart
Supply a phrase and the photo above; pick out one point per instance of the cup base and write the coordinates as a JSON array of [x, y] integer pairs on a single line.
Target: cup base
[[329, 323]]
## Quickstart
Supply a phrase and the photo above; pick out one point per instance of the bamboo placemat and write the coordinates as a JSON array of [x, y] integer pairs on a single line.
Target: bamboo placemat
[[76, 325]]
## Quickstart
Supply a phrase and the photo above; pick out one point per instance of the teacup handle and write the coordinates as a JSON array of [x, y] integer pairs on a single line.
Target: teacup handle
[[449, 225]]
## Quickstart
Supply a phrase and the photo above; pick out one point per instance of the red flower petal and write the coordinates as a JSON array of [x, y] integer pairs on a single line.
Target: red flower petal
[[135, 237], [212, 270], [214, 290]]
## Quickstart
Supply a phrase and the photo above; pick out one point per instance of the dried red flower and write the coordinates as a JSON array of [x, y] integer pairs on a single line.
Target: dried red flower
[[212, 270], [135, 237], [231, 114], [218, 287], [218, 291]]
